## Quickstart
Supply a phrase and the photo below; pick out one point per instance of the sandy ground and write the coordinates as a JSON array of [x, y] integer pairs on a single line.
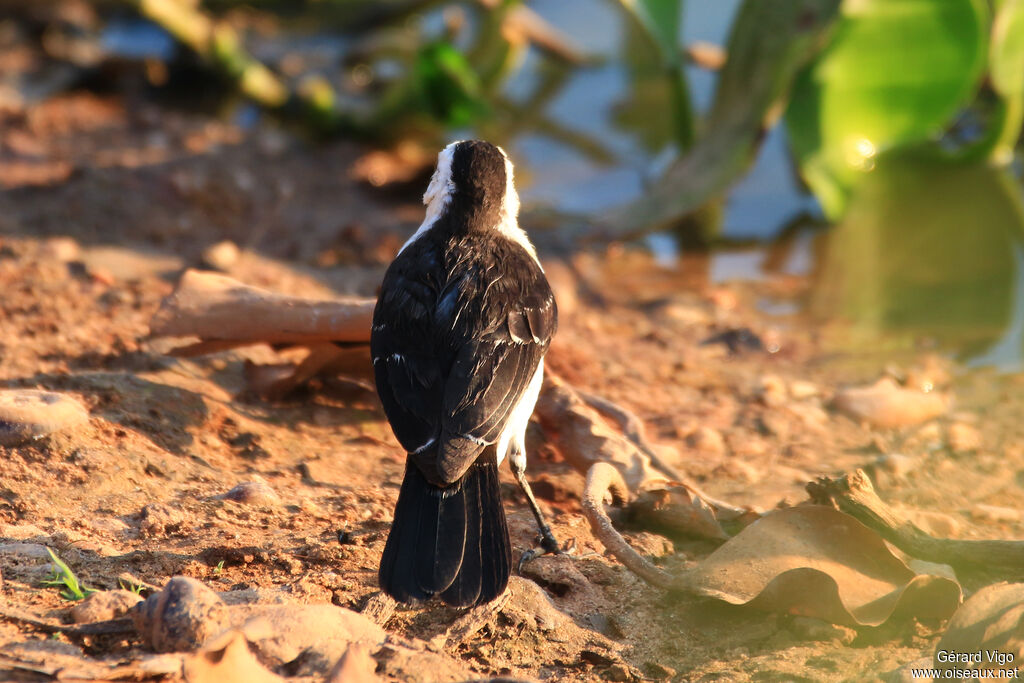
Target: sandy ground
[[142, 192]]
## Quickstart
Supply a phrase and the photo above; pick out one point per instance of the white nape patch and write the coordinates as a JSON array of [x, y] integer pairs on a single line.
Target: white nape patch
[[439, 192], [509, 222], [514, 433]]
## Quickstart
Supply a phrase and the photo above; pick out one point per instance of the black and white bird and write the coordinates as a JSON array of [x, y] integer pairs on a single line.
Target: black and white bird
[[462, 323]]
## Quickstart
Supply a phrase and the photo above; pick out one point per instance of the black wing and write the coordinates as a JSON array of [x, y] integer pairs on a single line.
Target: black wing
[[459, 331]]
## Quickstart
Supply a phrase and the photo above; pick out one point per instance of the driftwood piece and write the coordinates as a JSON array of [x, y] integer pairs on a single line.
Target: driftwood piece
[[220, 309], [119, 626], [854, 495], [603, 479]]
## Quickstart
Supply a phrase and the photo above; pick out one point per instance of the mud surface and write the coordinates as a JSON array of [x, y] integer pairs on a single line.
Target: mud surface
[[142, 192]]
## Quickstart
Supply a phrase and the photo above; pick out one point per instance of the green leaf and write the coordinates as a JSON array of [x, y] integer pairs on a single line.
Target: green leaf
[[661, 20], [771, 40], [63, 576], [895, 74], [925, 248], [448, 85], [1006, 72]]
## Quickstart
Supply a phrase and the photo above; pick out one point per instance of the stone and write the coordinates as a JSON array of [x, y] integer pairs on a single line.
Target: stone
[[321, 634], [802, 390], [995, 513], [355, 666], [30, 551], [887, 405], [222, 255], [821, 631], [963, 438], [27, 414], [897, 464], [181, 617], [707, 440], [104, 605], [157, 520], [252, 493], [60, 249], [771, 389]]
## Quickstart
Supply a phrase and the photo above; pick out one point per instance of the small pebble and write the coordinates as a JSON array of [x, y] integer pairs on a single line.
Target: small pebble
[[802, 389], [31, 414], [253, 493], [222, 255], [707, 440], [181, 617], [821, 631], [897, 464], [734, 468], [963, 438], [157, 520], [60, 249], [34, 551], [771, 389], [658, 672], [355, 666], [618, 672], [936, 523], [995, 513], [104, 605], [887, 405]]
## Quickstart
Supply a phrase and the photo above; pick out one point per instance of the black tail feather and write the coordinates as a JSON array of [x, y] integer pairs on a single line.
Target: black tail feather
[[465, 586], [452, 542], [398, 563], [495, 546], [442, 536]]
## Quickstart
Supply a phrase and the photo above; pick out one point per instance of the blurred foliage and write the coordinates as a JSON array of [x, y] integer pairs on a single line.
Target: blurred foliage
[[770, 41], [855, 80], [894, 73], [661, 21], [1006, 68]]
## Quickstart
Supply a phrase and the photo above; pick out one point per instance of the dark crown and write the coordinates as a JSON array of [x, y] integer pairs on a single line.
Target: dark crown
[[478, 172]]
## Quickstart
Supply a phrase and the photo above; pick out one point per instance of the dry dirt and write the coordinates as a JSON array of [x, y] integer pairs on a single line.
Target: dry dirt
[[143, 191]]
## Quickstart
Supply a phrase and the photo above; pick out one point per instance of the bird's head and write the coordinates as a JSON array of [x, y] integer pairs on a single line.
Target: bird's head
[[474, 179]]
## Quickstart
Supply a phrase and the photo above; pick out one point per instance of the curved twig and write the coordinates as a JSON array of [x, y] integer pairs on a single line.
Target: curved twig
[[601, 479]]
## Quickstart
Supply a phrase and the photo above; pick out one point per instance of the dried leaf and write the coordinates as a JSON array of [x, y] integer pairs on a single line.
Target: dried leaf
[[815, 561], [227, 659], [991, 623]]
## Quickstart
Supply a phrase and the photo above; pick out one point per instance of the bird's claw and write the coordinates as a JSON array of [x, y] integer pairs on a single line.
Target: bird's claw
[[547, 545]]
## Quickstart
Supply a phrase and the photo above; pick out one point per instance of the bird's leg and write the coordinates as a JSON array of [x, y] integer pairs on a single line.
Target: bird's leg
[[548, 543]]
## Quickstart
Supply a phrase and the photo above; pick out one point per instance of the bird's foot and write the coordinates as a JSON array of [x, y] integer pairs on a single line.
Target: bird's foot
[[547, 545]]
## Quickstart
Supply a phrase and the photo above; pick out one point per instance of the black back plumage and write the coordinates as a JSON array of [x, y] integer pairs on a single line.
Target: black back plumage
[[464, 317]]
